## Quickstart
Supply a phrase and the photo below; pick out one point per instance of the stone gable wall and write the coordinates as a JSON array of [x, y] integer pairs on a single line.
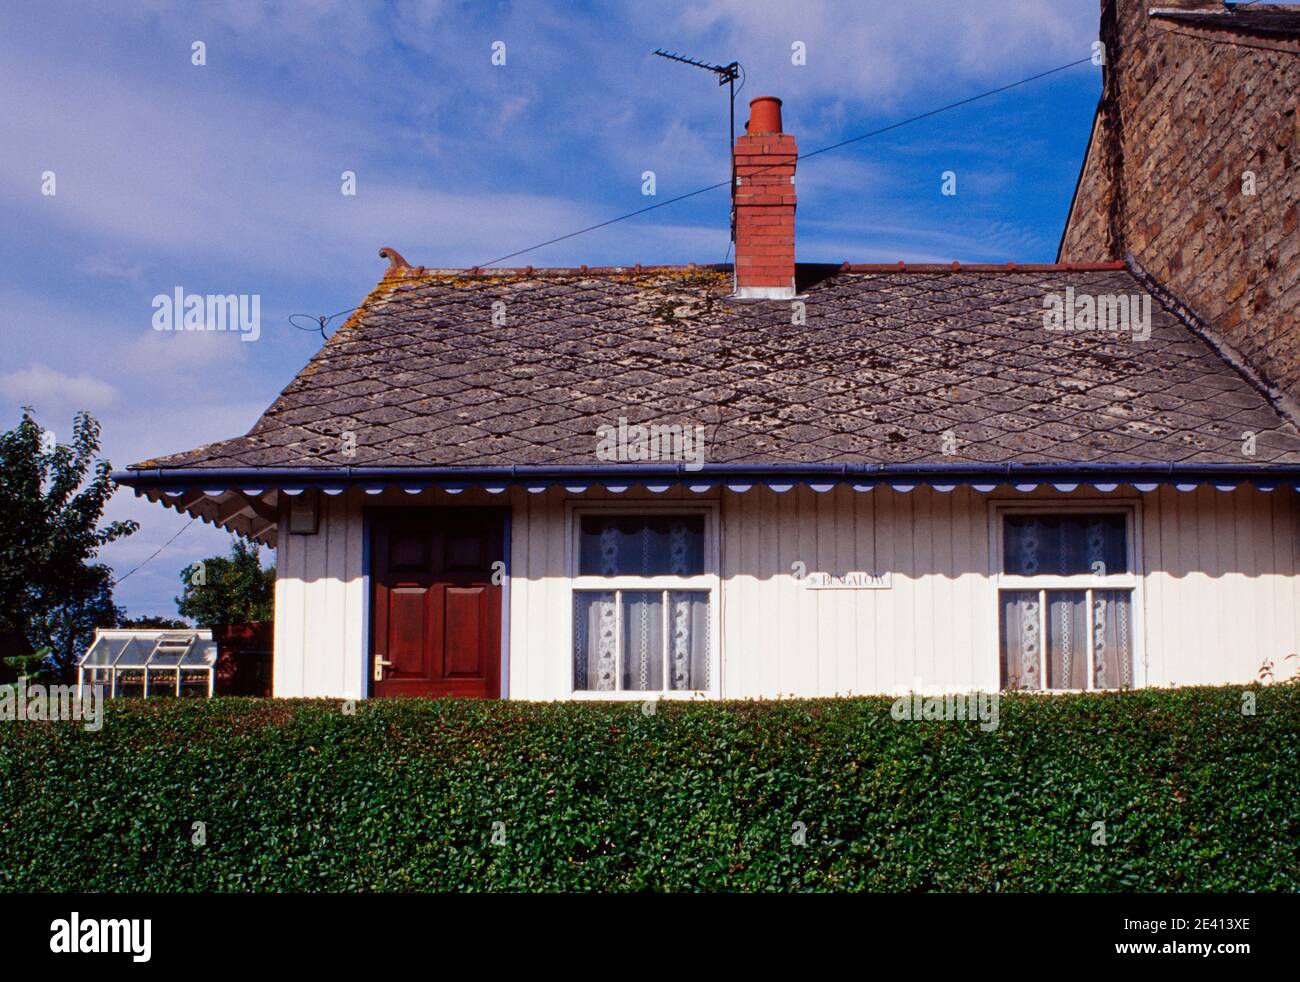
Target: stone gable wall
[[1183, 119]]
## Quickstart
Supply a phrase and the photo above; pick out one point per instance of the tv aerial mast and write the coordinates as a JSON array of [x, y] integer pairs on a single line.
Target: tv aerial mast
[[727, 75]]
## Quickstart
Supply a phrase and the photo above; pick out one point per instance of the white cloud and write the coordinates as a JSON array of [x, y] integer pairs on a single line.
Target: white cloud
[[171, 357], [112, 268], [873, 55], [42, 387]]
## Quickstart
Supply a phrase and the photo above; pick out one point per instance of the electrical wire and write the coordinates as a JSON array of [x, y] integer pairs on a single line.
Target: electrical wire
[[319, 321], [156, 552], [812, 153]]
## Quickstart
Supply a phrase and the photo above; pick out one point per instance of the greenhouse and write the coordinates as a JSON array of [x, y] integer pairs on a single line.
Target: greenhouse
[[128, 662]]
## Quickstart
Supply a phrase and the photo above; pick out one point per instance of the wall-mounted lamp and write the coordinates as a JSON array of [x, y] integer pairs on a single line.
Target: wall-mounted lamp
[[304, 513]]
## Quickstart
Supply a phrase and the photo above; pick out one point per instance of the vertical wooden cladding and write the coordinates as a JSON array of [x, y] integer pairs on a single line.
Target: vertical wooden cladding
[[1220, 589], [320, 606], [1223, 595], [929, 629]]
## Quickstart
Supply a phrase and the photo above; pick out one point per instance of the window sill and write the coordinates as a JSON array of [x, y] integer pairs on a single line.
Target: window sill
[[676, 695]]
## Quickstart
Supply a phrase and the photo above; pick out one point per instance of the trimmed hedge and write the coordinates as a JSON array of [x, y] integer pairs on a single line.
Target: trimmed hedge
[[402, 795]]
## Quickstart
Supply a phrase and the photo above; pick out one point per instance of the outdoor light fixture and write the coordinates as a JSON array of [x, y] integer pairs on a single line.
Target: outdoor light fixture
[[304, 513]]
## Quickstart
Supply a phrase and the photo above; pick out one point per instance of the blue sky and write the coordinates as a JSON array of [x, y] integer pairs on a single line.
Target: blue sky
[[225, 178]]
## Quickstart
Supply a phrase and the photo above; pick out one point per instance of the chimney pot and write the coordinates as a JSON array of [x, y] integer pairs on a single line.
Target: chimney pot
[[764, 115]]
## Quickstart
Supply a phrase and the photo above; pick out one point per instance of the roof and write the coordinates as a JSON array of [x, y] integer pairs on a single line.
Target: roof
[[1273, 21], [890, 360]]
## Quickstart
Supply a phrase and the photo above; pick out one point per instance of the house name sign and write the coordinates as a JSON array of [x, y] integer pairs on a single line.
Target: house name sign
[[849, 581]]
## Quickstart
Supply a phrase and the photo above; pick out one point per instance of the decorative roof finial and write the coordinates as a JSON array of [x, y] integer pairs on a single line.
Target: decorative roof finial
[[395, 260]]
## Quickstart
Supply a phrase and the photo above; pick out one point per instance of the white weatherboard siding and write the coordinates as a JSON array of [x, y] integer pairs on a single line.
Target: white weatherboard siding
[[1218, 589], [320, 606]]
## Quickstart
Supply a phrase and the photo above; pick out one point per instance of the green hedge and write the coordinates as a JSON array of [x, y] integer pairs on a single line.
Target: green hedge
[[402, 795]]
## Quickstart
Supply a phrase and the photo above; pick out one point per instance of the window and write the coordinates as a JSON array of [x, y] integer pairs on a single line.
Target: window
[[641, 545], [1066, 589], [644, 603]]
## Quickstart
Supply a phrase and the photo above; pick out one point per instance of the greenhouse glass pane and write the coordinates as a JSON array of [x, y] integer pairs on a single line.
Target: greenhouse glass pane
[[201, 655], [135, 653], [103, 652], [170, 653]]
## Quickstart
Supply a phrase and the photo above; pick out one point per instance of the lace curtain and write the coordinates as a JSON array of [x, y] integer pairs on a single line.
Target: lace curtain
[[658, 653], [1064, 545], [638, 545], [647, 654], [1068, 612]]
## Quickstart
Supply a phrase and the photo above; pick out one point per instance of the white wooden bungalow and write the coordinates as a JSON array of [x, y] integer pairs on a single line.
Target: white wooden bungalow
[[765, 480]]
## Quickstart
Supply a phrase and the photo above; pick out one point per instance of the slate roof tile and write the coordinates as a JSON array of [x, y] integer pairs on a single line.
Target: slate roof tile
[[886, 363]]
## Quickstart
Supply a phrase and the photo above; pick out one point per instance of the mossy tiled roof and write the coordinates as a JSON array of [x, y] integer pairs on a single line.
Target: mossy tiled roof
[[888, 363]]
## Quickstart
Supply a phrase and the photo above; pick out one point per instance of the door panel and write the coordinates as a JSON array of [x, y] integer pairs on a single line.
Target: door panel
[[410, 550], [462, 639], [437, 614], [408, 629], [465, 552]]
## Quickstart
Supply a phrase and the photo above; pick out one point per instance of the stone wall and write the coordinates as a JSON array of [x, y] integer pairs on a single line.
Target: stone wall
[[1188, 115]]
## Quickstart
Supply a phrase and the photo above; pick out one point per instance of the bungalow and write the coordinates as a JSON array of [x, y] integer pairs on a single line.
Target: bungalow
[[764, 480]]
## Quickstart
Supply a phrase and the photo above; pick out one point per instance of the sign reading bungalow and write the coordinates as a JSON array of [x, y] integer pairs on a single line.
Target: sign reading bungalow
[[909, 479]]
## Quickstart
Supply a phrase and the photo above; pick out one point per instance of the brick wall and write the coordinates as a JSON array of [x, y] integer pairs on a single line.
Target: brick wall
[[765, 204], [1182, 119]]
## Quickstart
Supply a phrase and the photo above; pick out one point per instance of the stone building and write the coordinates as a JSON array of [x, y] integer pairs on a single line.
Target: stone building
[[1193, 169]]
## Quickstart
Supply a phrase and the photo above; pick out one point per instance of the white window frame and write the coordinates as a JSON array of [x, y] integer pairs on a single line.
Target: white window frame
[[1131, 581], [709, 581]]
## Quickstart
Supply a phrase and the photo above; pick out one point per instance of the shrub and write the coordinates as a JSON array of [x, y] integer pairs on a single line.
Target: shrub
[[403, 795]]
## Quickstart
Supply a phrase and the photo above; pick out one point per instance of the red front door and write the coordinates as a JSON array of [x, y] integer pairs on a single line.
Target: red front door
[[437, 611]]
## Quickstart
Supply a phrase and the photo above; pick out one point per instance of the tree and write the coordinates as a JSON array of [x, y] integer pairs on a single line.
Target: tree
[[27, 666], [230, 589], [52, 496], [152, 622]]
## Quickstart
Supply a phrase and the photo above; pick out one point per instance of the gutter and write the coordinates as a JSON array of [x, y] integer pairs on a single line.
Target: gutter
[[292, 479]]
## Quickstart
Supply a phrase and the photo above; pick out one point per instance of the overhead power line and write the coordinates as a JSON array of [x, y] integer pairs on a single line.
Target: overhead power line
[[944, 109], [803, 156], [156, 551]]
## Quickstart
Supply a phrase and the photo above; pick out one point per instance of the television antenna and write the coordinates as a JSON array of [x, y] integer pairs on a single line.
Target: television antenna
[[727, 75]]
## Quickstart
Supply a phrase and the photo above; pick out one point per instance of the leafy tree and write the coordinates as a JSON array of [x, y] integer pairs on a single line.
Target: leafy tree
[[28, 665], [52, 496], [232, 589], [151, 622]]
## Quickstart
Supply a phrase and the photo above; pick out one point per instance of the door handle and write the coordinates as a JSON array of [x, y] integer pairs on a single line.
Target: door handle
[[380, 664]]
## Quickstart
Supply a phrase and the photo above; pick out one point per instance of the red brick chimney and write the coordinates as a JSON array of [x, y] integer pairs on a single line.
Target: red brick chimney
[[765, 200]]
